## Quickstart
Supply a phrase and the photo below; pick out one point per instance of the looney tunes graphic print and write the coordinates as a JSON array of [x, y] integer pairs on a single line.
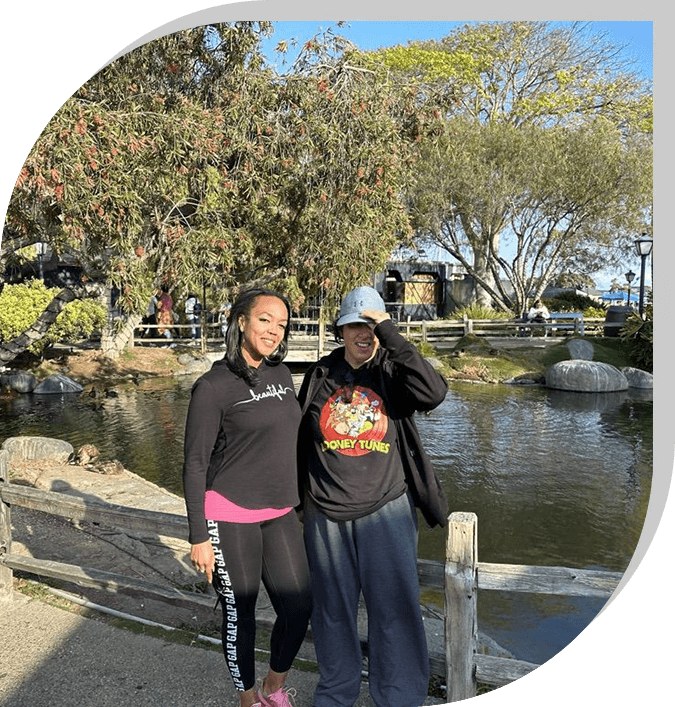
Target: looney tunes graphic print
[[354, 422]]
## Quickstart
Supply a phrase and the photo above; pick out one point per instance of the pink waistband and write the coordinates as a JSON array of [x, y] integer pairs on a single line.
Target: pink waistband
[[217, 507]]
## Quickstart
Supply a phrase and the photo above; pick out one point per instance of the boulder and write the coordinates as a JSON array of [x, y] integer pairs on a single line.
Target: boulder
[[580, 349], [638, 379], [19, 381], [58, 383], [27, 448], [585, 377]]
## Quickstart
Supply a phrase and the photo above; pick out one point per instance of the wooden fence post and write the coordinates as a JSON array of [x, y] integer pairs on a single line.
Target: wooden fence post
[[6, 579], [461, 595], [322, 336]]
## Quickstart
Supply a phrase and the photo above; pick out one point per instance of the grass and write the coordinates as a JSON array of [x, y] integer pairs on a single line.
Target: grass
[[475, 360]]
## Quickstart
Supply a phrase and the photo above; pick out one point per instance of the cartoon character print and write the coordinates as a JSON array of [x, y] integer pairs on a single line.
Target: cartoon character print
[[354, 422]]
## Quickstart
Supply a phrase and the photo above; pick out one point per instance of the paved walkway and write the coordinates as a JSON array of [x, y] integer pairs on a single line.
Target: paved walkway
[[50, 657]]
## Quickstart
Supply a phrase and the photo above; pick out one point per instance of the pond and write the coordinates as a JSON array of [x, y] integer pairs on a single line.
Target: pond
[[555, 478]]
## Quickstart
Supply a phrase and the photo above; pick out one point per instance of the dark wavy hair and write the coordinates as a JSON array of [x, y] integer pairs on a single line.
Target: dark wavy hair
[[233, 356]]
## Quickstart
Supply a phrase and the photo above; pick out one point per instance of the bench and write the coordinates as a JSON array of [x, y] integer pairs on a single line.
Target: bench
[[556, 321]]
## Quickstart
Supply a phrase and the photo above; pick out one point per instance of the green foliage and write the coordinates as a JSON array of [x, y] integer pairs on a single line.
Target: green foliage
[[21, 305], [425, 349], [190, 162], [573, 302], [477, 311], [559, 166], [638, 333]]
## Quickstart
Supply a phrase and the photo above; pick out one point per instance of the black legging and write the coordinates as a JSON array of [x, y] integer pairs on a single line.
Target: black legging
[[246, 552]]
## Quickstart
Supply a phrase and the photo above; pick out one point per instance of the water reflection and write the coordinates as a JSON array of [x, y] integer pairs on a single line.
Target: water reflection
[[556, 478]]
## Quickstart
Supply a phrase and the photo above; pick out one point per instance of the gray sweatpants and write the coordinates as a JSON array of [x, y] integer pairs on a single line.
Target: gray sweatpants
[[376, 555]]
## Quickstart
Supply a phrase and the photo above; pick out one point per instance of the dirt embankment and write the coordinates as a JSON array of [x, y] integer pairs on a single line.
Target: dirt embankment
[[90, 365], [157, 559]]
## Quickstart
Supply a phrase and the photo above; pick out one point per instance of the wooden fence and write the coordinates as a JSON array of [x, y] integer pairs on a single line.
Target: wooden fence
[[437, 330], [461, 666], [309, 339]]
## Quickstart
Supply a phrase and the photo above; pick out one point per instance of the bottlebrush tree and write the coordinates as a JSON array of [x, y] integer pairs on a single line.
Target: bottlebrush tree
[[191, 162]]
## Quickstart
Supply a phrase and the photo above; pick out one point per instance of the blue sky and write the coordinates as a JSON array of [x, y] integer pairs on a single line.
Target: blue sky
[[637, 36]]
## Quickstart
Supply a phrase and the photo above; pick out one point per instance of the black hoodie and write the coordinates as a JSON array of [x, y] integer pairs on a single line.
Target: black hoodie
[[409, 384], [241, 442]]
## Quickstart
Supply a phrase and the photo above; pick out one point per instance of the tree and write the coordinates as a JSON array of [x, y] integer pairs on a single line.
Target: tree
[[536, 117], [190, 162]]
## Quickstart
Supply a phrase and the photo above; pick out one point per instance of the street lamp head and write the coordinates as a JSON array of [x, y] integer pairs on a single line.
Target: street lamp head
[[629, 276], [643, 245]]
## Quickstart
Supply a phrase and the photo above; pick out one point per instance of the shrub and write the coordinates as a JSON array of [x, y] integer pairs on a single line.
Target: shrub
[[476, 311], [21, 305], [595, 312], [573, 302]]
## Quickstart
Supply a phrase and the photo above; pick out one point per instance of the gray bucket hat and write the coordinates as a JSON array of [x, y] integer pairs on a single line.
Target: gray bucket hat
[[358, 300]]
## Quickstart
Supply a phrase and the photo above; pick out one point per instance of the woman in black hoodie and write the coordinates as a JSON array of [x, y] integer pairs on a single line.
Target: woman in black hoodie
[[240, 483]]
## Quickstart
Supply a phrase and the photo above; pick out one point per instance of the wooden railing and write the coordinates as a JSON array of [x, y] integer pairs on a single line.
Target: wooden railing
[[460, 578], [453, 329], [310, 338], [307, 337]]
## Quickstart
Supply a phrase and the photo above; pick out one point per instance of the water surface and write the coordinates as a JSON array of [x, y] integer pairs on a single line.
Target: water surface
[[555, 478]]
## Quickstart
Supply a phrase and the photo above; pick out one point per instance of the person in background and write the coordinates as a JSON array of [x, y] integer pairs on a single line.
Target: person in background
[[192, 313], [363, 471], [165, 314], [223, 315], [240, 484], [150, 318], [538, 313]]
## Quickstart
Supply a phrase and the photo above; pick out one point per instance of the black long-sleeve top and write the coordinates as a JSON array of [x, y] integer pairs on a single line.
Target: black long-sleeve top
[[241, 442]]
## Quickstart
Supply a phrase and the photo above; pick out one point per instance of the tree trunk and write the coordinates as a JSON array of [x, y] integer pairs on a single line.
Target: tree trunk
[[482, 270], [113, 342], [117, 333]]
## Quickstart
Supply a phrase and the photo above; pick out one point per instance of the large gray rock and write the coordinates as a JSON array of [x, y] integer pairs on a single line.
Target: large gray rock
[[53, 385], [638, 378], [37, 448], [580, 349], [19, 381], [585, 377]]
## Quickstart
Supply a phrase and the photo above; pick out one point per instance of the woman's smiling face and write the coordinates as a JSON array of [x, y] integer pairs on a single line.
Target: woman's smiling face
[[361, 344], [263, 330]]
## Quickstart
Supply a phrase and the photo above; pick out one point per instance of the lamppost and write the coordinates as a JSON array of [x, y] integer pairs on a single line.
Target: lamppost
[[41, 250], [643, 247], [629, 278]]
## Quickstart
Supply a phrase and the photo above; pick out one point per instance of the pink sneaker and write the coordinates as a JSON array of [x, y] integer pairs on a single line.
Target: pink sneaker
[[281, 698]]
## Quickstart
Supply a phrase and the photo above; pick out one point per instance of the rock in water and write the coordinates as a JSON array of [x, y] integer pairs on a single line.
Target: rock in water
[[19, 381], [585, 377], [638, 378], [53, 385]]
